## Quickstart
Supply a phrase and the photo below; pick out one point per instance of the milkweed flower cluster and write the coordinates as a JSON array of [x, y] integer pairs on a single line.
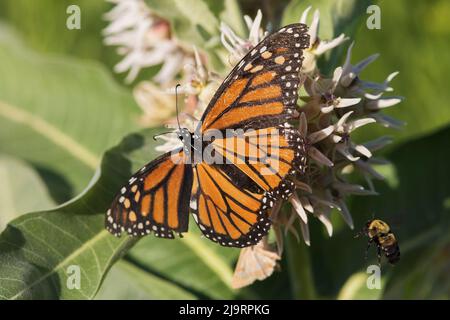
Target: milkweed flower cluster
[[330, 109], [144, 40]]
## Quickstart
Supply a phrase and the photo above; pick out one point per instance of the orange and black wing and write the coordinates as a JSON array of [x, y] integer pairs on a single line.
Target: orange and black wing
[[261, 91], [227, 213], [266, 156], [156, 199]]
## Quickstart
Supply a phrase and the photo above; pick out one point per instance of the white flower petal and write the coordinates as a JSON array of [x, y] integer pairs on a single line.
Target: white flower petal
[[318, 156], [326, 222], [320, 135], [303, 186], [373, 96], [303, 125], [326, 109], [336, 138], [359, 123], [383, 103], [254, 30], [314, 28], [328, 45], [391, 76], [170, 69], [363, 150], [347, 102], [343, 149], [305, 233], [305, 15], [306, 204], [345, 213], [297, 205], [336, 77], [342, 120]]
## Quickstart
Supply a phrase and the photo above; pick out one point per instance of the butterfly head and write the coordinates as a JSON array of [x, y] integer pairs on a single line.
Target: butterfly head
[[185, 137]]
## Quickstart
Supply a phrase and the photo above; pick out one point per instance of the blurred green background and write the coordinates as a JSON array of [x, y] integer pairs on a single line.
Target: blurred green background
[[62, 108]]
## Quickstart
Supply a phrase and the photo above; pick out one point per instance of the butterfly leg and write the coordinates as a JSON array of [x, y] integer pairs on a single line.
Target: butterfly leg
[[379, 255]]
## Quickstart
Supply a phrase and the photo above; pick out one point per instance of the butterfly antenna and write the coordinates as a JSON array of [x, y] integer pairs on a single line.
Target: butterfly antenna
[[176, 105]]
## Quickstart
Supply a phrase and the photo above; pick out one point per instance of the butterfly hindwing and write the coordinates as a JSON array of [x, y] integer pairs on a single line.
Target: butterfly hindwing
[[262, 89], [156, 199], [226, 214]]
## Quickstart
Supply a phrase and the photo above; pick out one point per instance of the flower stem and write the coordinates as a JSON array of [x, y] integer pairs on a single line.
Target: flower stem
[[299, 267]]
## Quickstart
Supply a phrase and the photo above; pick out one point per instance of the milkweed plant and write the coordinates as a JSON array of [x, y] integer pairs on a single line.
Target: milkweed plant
[[331, 107]]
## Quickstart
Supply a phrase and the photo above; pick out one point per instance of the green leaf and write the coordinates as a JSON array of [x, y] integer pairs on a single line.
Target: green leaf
[[125, 281], [21, 190], [192, 262], [59, 114], [37, 248], [423, 73], [52, 35]]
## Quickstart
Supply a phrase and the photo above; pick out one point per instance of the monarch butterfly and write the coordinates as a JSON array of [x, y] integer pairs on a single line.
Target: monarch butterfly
[[230, 202]]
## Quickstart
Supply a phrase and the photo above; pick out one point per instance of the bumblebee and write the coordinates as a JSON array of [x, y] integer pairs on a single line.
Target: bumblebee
[[379, 233]]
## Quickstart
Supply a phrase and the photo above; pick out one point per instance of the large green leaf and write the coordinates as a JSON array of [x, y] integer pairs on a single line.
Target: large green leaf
[[126, 281], [192, 262], [37, 248], [21, 190], [419, 59], [59, 114], [52, 35]]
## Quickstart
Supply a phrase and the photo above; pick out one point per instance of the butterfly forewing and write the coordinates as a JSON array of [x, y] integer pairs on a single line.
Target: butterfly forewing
[[261, 90], [156, 199]]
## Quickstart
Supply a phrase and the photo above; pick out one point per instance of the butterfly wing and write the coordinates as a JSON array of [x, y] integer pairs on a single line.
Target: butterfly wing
[[156, 199], [266, 156], [261, 91], [225, 213], [232, 201]]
